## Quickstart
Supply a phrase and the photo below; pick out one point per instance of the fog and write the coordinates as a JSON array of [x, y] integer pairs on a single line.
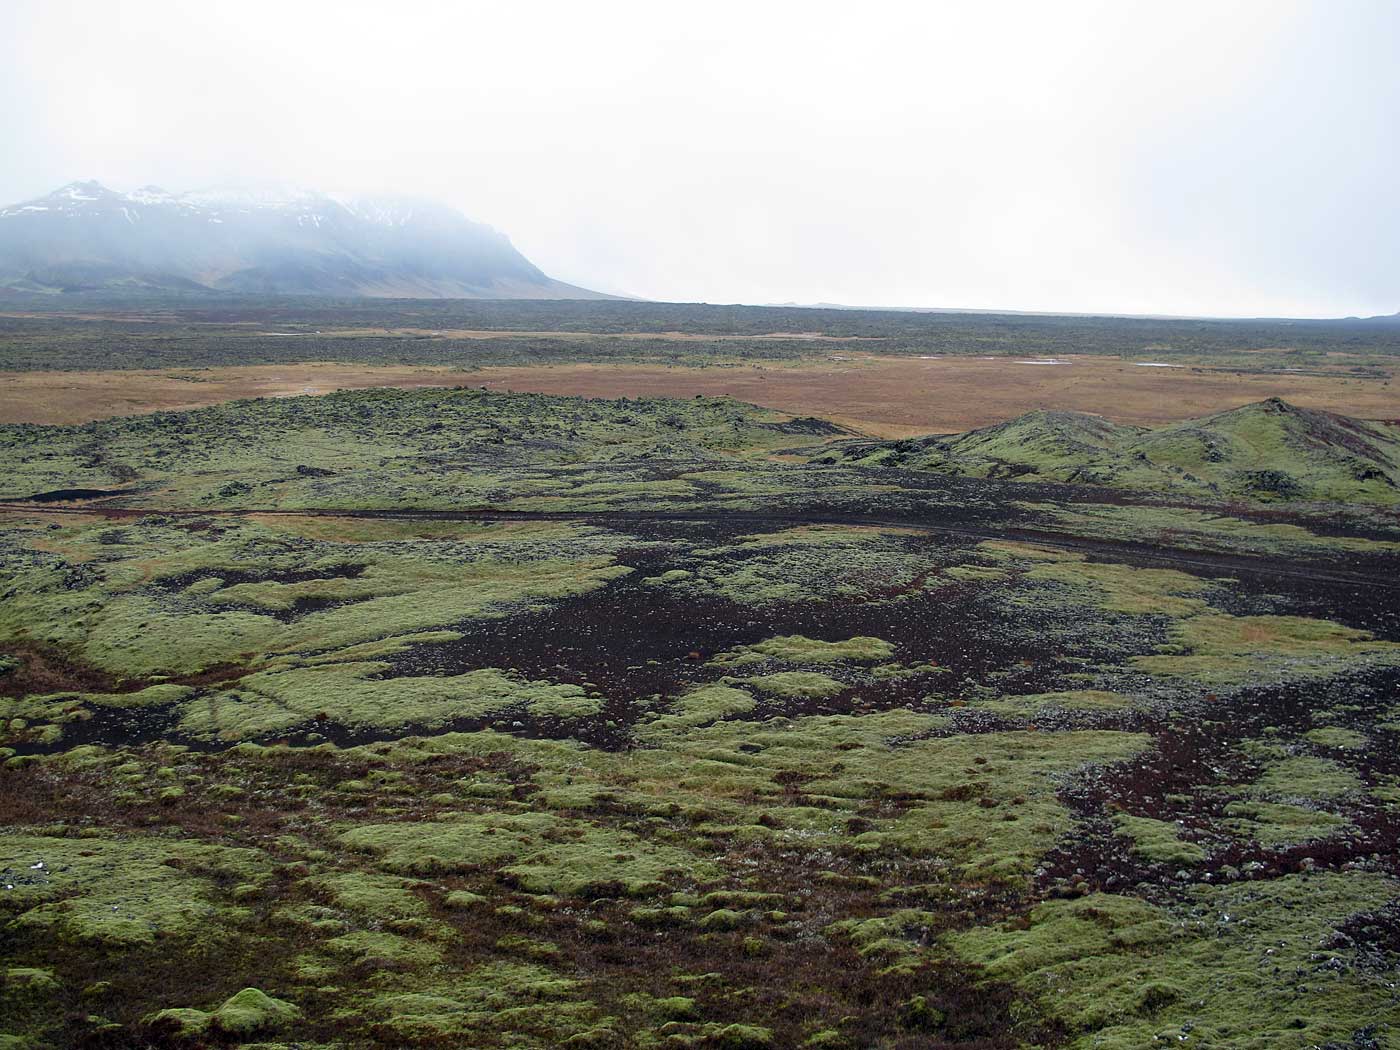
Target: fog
[[1188, 158]]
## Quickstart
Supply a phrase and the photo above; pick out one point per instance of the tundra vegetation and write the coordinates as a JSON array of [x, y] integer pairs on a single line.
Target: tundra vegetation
[[72, 332], [451, 718]]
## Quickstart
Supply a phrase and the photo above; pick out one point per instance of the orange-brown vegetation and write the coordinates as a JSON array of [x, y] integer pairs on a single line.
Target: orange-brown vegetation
[[886, 396]]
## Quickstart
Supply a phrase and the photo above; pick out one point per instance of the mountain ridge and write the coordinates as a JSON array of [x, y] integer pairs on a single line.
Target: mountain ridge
[[84, 236]]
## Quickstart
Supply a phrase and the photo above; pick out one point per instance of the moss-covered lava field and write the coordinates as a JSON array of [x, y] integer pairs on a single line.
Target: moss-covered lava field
[[461, 719]]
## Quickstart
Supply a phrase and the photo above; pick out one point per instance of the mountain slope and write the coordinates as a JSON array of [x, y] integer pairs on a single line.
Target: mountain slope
[[1267, 451], [85, 236]]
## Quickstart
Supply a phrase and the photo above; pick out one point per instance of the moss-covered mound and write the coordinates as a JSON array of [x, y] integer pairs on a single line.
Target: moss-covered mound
[[1268, 451]]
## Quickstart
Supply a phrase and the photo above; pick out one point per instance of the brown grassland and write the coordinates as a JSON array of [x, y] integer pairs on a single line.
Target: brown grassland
[[881, 395]]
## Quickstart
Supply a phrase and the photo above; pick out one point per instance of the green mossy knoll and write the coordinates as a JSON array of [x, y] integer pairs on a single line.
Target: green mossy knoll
[[1159, 841], [376, 898], [795, 685], [795, 649], [810, 563], [347, 693], [1304, 777], [701, 706], [1124, 974], [1280, 824], [251, 1011], [120, 892], [1221, 649], [364, 448], [134, 620], [538, 852], [1269, 451]]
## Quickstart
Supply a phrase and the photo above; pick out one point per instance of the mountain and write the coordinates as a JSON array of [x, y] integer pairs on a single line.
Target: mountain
[[1267, 451], [85, 236]]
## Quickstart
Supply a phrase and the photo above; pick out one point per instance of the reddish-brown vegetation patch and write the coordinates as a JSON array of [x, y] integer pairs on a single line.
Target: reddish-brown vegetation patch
[[886, 396]]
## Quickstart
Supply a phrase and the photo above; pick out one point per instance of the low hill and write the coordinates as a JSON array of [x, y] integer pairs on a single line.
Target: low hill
[[1267, 451], [86, 237]]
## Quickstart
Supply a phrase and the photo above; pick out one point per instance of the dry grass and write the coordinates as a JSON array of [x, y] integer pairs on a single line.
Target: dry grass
[[900, 396], [507, 333], [78, 397], [884, 396]]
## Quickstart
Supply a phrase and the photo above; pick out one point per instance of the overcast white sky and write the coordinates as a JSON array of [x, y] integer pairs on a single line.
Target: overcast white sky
[[1232, 158]]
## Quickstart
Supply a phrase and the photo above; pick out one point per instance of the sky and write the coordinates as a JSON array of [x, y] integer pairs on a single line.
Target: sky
[[1225, 158]]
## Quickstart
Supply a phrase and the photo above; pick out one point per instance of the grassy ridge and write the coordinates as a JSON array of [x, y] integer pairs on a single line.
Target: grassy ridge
[[1268, 451]]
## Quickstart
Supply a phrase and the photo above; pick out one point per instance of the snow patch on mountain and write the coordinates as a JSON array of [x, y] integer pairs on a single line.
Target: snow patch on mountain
[[274, 239]]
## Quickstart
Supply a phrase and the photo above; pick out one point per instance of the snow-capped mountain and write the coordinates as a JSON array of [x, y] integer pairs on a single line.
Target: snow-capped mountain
[[279, 241]]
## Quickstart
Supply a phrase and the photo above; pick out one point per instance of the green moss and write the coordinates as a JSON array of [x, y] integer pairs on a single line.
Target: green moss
[[129, 622], [809, 563], [1336, 737], [660, 918], [704, 705], [378, 898], [1303, 776], [1068, 700], [151, 696], [1276, 824], [348, 693], [975, 573], [538, 852], [489, 888], [248, 1012], [1217, 647], [677, 1008], [120, 891], [894, 940], [438, 847], [136, 636], [1267, 451], [986, 803], [182, 1020], [725, 919], [528, 947], [511, 1001], [1126, 588], [669, 576], [602, 861], [29, 979], [795, 649], [1158, 840], [919, 1014], [243, 447], [740, 1037], [994, 817], [1119, 972], [464, 899], [253, 1010], [796, 685], [373, 948], [1202, 529], [383, 648]]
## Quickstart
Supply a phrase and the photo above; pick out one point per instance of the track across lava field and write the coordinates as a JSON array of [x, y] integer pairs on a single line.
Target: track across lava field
[[1119, 549]]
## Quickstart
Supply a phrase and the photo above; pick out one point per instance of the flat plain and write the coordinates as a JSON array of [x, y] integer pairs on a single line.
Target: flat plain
[[884, 396]]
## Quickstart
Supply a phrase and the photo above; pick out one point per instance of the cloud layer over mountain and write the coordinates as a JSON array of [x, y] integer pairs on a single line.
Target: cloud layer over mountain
[[85, 236]]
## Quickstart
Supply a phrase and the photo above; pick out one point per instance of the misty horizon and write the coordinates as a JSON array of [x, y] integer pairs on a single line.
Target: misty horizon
[[1191, 162]]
